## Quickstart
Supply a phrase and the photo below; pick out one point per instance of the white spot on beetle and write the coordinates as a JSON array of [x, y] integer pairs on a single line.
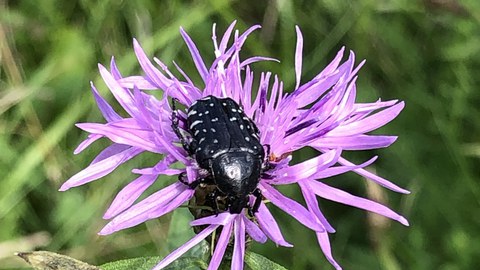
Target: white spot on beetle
[[206, 98], [215, 141], [247, 139], [255, 147], [207, 112], [192, 112], [196, 132], [211, 105], [233, 119], [204, 130], [213, 130], [234, 110], [200, 114], [215, 119], [224, 104], [201, 140], [241, 127], [195, 123]]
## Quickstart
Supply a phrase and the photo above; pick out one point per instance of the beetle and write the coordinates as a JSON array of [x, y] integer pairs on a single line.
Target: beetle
[[225, 143]]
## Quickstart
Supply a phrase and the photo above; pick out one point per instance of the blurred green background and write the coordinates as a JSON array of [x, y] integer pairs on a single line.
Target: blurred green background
[[426, 53]]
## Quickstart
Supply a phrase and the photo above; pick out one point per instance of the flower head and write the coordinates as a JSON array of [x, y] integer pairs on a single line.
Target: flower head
[[321, 113]]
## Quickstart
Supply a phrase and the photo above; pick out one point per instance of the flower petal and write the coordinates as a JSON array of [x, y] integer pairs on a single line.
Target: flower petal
[[305, 169], [87, 142], [369, 123], [340, 196], [375, 178], [129, 194], [153, 74], [100, 168], [290, 207], [254, 231], [197, 58], [326, 249], [239, 245], [270, 226], [312, 204], [358, 142], [221, 246], [107, 111], [123, 95], [298, 56], [332, 171], [185, 247], [220, 219], [136, 138], [154, 206]]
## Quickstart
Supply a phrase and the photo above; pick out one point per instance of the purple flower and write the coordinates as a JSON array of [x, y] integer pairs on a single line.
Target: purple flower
[[320, 113]]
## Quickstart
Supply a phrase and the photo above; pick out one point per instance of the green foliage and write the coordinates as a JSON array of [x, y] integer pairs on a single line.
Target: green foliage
[[426, 53], [147, 263]]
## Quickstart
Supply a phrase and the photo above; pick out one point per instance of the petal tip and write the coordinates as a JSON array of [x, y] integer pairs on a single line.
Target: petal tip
[[404, 221]]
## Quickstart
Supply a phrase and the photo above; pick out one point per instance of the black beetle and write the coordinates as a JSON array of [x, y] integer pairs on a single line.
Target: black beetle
[[225, 143]]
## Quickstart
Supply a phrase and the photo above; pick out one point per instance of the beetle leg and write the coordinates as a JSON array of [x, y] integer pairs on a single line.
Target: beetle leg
[[258, 199], [176, 128], [212, 198], [182, 177]]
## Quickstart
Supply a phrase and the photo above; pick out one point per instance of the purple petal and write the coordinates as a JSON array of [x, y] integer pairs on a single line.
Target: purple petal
[[298, 56], [254, 231], [375, 178], [359, 142], [257, 59], [332, 171], [226, 37], [303, 170], [114, 70], [220, 219], [270, 226], [129, 194], [154, 206], [312, 204], [123, 95], [136, 138], [89, 140], [197, 58], [340, 196], [239, 246], [111, 150], [369, 123], [100, 168], [138, 81], [290, 206], [221, 246], [156, 77], [187, 246], [107, 111], [162, 167], [326, 249]]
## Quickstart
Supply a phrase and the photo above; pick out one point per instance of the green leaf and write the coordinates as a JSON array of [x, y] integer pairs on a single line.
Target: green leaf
[[256, 261], [147, 263]]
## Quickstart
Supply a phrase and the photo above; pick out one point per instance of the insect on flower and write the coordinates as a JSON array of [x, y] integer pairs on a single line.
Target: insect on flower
[[225, 143], [235, 146]]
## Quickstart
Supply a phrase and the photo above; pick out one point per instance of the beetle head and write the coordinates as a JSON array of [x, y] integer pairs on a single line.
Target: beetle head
[[236, 173]]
